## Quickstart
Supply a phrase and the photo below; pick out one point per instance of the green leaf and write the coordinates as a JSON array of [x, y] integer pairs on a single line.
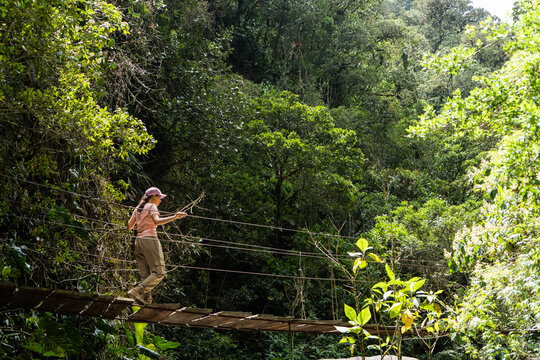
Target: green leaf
[[139, 332], [364, 316], [362, 244], [355, 330], [375, 257], [359, 264], [417, 285], [342, 329], [387, 294], [148, 352], [395, 309], [163, 344], [381, 285], [389, 272], [427, 307], [129, 337], [374, 347], [350, 312], [493, 194], [347, 339]]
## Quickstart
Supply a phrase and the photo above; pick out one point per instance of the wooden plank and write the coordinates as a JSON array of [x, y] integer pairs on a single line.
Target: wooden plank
[[269, 325], [220, 320], [28, 297], [6, 292], [66, 302], [300, 326], [153, 313], [231, 320], [185, 316], [116, 307], [212, 320], [234, 314], [318, 326], [264, 322], [99, 306]]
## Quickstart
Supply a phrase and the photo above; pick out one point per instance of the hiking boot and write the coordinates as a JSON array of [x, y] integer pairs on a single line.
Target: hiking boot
[[136, 295]]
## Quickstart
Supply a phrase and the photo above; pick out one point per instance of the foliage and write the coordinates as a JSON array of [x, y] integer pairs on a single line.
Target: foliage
[[500, 249], [307, 159], [100, 100], [398, 302], [147, 344]]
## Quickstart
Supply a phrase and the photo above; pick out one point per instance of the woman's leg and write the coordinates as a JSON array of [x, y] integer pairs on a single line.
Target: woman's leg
[[153, 254], [137, 293], [144, 269]]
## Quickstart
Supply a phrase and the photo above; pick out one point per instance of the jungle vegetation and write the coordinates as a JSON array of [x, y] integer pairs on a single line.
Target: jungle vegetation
[[395, 142]]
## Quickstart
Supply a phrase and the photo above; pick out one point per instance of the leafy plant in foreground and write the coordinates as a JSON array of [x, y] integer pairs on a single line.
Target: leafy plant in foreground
[[396, 302]]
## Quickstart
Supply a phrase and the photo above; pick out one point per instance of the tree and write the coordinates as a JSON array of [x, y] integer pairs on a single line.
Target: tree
[[306, 160]]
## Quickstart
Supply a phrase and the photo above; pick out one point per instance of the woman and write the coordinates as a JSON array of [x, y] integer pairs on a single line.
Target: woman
[[148, 252]]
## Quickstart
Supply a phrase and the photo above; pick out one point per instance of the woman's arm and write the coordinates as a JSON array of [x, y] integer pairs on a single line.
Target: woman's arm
[[131, 222], [163, 220]]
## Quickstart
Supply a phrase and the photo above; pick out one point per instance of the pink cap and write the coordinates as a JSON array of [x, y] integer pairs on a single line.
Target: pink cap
[[154, 191]]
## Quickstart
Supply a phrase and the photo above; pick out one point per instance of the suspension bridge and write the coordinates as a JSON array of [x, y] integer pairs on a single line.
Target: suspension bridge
[[71, 303]]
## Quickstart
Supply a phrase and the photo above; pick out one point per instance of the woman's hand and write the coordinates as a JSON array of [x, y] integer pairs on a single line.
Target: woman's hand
[[181, 215]]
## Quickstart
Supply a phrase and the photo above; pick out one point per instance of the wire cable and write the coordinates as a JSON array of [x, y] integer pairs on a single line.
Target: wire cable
[[248, 247], [174, 267], [189, 215]]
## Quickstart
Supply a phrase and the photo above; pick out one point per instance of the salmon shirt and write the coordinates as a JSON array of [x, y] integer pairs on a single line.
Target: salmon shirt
[[145, 223]]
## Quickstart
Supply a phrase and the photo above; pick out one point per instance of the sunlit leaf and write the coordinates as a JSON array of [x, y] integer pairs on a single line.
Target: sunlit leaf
[[375, 257], [381, 285], [389, 272], [364, 316], [407, 318], [347, 339], [417, 285], [362, 244], [342, 329], [350, 312], [359, 264], [387, 294], [395, 310]]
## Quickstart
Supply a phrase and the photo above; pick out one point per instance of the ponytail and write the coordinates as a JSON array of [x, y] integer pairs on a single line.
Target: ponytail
[[142, 202]]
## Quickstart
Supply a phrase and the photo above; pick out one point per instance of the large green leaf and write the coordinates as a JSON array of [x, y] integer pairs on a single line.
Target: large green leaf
[[417, 285], [359, 264], [395, 309], [350, 312], [139, 332], [389, 272], [163, 344], [375, 257], [362, 244], [364, 316]]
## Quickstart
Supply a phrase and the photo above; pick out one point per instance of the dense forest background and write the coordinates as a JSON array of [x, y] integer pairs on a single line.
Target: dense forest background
[[287, 129]]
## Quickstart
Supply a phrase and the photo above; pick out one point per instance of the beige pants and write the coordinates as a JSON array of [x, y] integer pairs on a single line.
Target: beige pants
[[149, 256]]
